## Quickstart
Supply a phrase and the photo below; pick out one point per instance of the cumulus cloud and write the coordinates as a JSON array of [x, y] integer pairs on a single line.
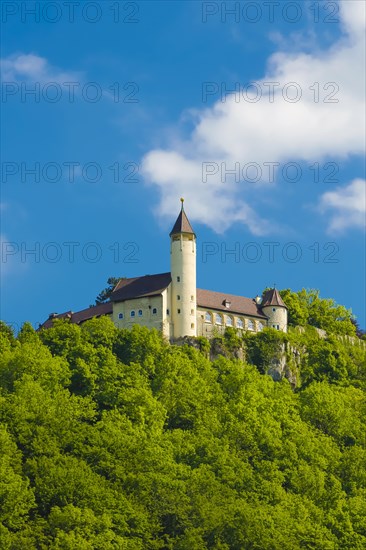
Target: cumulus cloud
[[326, 122], [347, 206]]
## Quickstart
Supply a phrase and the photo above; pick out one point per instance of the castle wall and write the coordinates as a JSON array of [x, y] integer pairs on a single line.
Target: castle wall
[[211, 322], [148, 312]]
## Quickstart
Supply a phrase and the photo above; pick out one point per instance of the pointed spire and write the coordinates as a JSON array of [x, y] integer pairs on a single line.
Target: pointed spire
[[272, 298], [182, 224]]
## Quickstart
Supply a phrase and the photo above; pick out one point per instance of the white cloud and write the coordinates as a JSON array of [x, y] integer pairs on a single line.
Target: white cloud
[[33, 68], [280, 131], [348, 206]]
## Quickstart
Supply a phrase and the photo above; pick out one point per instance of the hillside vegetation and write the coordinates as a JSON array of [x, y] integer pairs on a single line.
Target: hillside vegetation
[[114, 439]]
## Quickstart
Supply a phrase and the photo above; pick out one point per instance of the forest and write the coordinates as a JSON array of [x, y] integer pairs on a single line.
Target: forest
[[115, 439]]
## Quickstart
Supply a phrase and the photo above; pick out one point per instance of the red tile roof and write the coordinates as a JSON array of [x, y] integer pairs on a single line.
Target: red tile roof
[[80, 316], [138, 287], [272, 298], [238, 304]]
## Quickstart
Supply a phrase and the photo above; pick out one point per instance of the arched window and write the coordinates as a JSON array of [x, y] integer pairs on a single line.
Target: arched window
[[239, 323], [218, 319], [132, 313], [250, 324], [120, 316], [260, 326], [140, 313], [228, 321], [208, 318], [155, 311]]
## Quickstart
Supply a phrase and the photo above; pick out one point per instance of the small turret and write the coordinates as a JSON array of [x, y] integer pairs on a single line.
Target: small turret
[[276, 310]]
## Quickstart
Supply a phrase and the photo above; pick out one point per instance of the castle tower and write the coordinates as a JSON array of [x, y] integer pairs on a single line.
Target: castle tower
[[274, 307], [183, 272]]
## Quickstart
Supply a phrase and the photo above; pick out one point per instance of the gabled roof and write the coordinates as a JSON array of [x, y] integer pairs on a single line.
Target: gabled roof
[[80, 316], [138, 287], [238, 304], [182, 224], [272, 298]]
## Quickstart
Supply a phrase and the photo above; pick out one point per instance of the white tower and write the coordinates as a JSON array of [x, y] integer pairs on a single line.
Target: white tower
[[183, 272], [274, 307]]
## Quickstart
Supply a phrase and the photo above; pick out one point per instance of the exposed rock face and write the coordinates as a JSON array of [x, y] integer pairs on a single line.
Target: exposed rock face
[[286, 364]]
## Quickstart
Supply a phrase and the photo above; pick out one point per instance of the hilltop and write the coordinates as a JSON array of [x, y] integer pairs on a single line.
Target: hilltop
[[113, 438]]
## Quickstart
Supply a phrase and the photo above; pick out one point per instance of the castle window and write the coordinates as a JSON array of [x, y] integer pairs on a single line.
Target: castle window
[[260, 326], [167, 311], [218, 319], [250, 324], [276, 327], [120, 316], [192, 325], [178, 297], [192, 298], [208, 317], [154, 311], [178, 279], [239, 323], [132, 313], [140, 313], [178, 310], [273, 309], [192, 311]]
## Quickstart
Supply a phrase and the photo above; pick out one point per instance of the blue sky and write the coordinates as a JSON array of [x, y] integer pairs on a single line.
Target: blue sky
[[132, 110]]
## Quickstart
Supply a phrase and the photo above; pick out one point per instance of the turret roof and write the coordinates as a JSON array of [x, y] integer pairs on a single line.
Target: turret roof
[[182, 224], [272, 298]]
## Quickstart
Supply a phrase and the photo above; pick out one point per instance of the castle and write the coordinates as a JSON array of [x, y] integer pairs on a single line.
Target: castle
[[172, 303]]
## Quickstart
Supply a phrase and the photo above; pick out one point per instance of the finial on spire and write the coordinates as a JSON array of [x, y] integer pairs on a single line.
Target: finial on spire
[[182, 201], [274, 285]]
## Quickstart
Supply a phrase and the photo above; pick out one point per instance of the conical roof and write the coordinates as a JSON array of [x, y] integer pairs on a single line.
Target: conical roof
[[272, 298], [182, 224]]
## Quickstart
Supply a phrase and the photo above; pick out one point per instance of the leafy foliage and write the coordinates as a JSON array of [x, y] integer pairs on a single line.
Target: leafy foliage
[[307, 308], [104, 294], [115, 439]]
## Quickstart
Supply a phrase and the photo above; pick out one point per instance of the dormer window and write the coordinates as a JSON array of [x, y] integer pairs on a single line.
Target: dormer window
[[226, 303]]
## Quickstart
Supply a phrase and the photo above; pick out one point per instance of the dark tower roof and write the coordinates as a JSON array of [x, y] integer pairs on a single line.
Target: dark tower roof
[[182, 224], [272, 298]]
